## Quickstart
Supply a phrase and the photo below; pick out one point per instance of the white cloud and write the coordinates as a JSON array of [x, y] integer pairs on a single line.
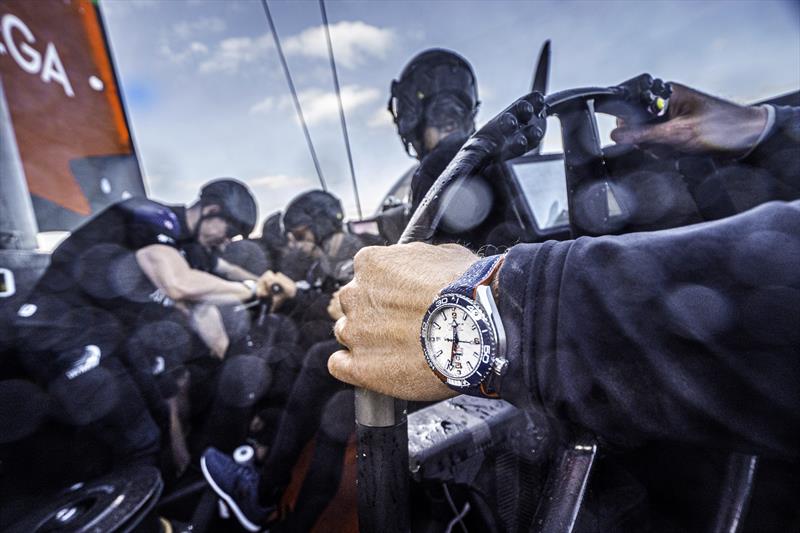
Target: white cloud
[[264, 106], [381, 118], [232, 53], [353, 42], [193, 49], [188, 28], [320, 106], [280, 181]]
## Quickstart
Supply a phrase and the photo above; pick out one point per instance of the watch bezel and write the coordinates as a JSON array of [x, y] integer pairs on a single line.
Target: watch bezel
[[485, 330]]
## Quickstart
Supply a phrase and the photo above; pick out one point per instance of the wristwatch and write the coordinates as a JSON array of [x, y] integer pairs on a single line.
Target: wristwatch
[[462, 335], [253, 286]]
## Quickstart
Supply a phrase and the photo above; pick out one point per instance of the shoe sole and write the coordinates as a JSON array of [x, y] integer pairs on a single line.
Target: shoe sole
[[247, 524]]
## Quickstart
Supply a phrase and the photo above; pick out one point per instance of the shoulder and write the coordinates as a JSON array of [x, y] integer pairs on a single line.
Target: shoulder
[[147, 211], [156, 223]]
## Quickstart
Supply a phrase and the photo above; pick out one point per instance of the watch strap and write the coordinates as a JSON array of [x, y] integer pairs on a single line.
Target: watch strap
[[479, 273], [253, 286]]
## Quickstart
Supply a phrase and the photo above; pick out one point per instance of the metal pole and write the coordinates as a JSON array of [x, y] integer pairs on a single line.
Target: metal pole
[[383, 477], [18, 226]]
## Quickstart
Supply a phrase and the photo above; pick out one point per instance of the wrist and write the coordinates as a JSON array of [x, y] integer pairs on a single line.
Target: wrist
[[760, 126], [462, 336], [252, 287], [494, 280]]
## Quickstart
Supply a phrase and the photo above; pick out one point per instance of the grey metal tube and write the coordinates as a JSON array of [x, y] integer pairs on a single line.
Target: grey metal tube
[[18, 226], [737, 489]]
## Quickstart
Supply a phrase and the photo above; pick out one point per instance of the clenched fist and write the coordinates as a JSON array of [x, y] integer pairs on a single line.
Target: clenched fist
[[270, 278], [383, 310]]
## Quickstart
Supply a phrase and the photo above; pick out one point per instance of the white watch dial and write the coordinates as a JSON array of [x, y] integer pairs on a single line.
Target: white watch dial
[[454, 342]]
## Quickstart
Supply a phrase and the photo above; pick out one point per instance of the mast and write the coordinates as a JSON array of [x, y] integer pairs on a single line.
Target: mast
[[18, 226]]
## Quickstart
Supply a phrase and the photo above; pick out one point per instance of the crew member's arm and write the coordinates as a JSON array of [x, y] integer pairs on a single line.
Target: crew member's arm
[[761, 137], [700, 124], [169, 271], [687, 334], [233, 272], [288, 288], [207, 323]]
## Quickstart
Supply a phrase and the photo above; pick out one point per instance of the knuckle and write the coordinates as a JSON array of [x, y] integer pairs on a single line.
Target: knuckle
[[362, 258], [347, 296], [341, 332]]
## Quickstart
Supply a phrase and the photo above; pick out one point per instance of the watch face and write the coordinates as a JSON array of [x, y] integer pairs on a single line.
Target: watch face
[[458, 340]]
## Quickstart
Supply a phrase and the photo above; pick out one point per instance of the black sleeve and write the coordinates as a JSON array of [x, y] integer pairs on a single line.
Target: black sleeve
[[308, 304], [779, 154], [690, 334]]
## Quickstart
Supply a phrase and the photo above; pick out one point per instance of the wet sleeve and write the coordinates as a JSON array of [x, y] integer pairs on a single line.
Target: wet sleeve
[[690, 334]]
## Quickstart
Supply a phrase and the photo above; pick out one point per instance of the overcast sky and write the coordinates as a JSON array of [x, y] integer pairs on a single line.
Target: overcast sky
[[206, 96]]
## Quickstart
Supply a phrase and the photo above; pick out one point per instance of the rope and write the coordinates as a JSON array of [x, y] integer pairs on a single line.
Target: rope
[[341, 107], [294, 94]]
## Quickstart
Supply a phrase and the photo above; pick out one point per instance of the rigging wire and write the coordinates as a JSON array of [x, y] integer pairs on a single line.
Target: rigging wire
[[459, 518], [341, 107], [294, 94]]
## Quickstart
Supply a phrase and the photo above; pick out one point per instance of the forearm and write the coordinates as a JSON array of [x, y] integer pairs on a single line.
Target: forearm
[[234, 272], [206, 321], [688, 334], [198, 286], [169, 272]]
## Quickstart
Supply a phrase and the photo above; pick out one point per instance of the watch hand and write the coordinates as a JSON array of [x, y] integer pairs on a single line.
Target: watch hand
[[454, 346]]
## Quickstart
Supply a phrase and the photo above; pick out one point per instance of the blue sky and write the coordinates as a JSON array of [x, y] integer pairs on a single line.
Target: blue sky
[[206, 97]]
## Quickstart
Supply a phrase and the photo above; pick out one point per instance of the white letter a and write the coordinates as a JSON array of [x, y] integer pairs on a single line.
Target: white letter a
[[54, 70]]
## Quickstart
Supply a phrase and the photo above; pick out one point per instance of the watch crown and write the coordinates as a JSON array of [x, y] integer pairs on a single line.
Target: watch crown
[[500, 366]]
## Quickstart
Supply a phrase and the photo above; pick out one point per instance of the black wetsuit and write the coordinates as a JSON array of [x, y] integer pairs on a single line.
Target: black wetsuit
[[432, 165]]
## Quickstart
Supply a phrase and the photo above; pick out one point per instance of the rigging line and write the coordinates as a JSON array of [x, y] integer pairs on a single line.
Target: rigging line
[[294, 94], [341, 107]]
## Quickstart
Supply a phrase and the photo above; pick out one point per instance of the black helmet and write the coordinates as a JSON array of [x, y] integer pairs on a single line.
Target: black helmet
[[318, 210], [431, 73], [235, 201], [272, 233]]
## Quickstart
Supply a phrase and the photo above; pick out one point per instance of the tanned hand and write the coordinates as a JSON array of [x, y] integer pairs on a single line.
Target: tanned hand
[[383, 310]]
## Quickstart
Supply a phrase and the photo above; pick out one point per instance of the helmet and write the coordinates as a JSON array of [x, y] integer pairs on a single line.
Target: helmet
[[318, 210], [431, 73], [236, 204], [272, 233]]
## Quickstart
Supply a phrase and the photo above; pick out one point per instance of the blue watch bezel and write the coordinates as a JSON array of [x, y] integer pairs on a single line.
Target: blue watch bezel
[[485, 329]]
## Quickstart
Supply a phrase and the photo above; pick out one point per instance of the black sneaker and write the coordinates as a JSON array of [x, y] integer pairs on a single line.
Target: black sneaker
[[237, 485]]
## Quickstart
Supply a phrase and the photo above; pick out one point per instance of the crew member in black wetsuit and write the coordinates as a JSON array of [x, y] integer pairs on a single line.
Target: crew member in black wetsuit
[[111, 316], [318, 405], [433, 104]]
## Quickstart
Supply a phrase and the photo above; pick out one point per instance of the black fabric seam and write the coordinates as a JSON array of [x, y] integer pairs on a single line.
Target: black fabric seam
[[531, 370]]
